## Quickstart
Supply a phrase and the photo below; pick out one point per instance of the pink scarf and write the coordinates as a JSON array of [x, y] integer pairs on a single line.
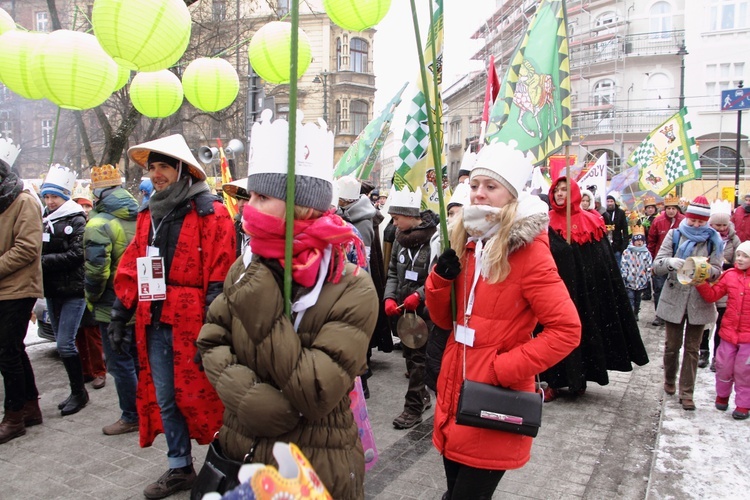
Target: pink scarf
[[311, 238]]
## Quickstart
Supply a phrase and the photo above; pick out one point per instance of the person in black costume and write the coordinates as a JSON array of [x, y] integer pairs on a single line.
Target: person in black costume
[[610, 338]]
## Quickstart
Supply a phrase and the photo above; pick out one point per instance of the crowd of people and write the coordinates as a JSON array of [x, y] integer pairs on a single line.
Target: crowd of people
[[547, 292]]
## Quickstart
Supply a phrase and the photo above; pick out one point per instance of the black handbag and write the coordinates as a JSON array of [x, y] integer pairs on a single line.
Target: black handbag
[[219, 473], [494, 407]]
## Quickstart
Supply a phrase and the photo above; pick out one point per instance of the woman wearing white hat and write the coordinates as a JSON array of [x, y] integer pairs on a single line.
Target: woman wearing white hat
[[171, 271]]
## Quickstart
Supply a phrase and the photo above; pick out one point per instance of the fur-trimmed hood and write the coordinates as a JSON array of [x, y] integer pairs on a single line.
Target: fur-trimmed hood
[[532, 218]]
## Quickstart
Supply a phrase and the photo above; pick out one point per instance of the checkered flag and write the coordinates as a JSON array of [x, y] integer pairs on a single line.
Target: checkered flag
[[676, 166], [416, 136], [643, 154]]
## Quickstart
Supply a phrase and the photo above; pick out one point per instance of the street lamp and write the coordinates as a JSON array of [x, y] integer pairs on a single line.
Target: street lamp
[[682, 52], [317, 79]]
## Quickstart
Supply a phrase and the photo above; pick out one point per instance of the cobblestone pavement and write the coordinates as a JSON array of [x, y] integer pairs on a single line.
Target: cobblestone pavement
[[600, 445]]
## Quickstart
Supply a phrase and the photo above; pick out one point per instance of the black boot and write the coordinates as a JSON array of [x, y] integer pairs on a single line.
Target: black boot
[[703, 358], [79, 397]]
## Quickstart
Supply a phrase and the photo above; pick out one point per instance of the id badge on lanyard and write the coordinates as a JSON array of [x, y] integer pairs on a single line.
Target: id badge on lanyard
[[151, 282]]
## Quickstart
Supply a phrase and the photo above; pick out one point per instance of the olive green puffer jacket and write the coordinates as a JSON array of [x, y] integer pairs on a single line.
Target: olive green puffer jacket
[[280, 385]]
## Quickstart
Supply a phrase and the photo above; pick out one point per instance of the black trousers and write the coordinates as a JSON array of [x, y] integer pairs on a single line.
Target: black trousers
[[15, 367], [470, 483]]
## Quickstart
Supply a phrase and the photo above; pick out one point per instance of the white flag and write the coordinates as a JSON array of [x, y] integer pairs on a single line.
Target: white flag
[[596, 177]]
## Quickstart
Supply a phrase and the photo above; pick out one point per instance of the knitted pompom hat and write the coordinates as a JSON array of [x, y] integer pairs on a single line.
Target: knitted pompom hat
[[699, 209]]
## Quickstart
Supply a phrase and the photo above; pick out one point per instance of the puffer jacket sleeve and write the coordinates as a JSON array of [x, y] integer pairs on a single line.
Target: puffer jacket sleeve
[[97, 245], [391, 285], [713, 292], [262, 408], [72, 258], [551, 303], [438, 300]]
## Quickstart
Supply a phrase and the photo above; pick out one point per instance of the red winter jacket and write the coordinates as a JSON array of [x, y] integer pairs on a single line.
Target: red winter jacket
[[659, 229], [741, 220], [503, 353], [735, 284]]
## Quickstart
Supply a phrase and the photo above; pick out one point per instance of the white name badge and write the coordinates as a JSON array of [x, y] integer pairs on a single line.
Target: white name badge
[[45, 237], [151, 283], [465, 335], [412, 275], [152, 251]]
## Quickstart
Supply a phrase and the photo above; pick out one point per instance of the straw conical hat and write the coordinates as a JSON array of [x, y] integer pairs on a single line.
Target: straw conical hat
[[236, 188], [172, 145]]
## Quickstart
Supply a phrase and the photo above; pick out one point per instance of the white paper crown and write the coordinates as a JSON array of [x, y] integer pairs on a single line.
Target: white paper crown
[[81, 191], [62, 177], [461, 194], [8, 151], [349, 187], [406, 199], [721, 207], [468, 160], [268, 148]]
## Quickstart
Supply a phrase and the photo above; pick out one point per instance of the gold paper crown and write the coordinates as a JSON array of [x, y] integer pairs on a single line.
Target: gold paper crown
[[638, 230], [649, 200], [671, 201], [105, 176]]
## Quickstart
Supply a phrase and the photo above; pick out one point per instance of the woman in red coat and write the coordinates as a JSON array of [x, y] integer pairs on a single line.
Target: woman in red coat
[[503, 233]]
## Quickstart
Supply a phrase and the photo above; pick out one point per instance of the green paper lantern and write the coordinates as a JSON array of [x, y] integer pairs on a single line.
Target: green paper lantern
[[156, 94], [356, 15], [6, 22], [123, 77], [16, 53], [143, 35], [210, 84], [73, 71], [269, 52]]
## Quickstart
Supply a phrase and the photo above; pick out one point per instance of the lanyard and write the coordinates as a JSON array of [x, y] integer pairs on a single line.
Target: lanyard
[[411, 257], [156, 230], [477, 272]]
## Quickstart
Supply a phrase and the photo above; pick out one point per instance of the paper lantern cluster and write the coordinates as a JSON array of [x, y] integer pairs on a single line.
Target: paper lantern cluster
[[210, 84], [16, 54], [156, 94], [143, 35], [356, 15], [6, 22], [270, 56]]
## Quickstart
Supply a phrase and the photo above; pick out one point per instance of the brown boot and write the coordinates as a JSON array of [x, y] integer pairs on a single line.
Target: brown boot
[[32, 414], [12, 426]]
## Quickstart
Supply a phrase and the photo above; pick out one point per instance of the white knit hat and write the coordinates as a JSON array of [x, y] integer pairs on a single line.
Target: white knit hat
[[506, 164], [744, 247]]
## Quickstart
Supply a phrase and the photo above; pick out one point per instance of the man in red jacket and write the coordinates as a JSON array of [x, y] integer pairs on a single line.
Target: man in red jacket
[[741, 219], [669, 219]]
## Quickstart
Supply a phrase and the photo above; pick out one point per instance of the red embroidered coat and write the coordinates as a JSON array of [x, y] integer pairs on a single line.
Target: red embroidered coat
[[203, 254]]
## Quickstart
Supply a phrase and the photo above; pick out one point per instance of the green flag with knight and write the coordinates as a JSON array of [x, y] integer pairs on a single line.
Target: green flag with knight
[[533, 105]]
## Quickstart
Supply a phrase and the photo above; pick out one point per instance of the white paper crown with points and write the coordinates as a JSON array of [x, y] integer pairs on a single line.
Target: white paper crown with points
[[405, 202], [349, 187], [460, 195], [267, 160], [82, 192], [8, 151], [468, 160], [59, 181], [721, 207]]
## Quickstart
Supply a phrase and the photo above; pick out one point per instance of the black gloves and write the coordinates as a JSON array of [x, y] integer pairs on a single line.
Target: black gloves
[[198, 359], [448, 265], [118, 335]]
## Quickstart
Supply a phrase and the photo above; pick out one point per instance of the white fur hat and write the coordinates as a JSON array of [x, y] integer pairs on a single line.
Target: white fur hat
[[506, 164]]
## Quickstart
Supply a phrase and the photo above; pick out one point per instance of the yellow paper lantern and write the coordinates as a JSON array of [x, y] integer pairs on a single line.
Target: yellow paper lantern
[[123, 77], [143, 35], [6, 22], [156, 94], [210, 84], [16, 53], [356, 15], [269, 52], [73, 71]]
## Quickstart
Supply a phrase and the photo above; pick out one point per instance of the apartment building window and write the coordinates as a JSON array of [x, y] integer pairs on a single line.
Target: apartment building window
[[728, 14], [42, 21], [659, 86], [604, 20], [46, 133], [455, 133], [282, 7], [661, 19], [6, 125], [358, 49], [604, 93], [721, 161], [722, 76], [358, 113], [219, 10]]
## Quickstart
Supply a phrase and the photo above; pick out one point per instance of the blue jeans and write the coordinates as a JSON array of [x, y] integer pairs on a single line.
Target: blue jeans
[[123, 368], [635, 300], [65, 314], [161, 359]]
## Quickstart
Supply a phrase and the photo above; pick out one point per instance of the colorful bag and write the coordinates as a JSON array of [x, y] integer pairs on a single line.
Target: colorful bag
[[359, 408]]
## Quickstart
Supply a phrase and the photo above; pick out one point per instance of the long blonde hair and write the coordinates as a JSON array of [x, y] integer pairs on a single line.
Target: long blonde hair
[[495, 266]]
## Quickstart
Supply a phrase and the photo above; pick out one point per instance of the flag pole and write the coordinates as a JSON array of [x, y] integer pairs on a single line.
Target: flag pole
[[291, 153], [567, 195]]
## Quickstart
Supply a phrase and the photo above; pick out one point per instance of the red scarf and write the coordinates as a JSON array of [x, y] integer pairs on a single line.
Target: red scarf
[[585, 227], [311, 238]]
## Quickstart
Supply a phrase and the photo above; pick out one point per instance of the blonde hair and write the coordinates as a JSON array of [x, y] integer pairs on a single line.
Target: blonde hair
[[304, 213], [495, 266]]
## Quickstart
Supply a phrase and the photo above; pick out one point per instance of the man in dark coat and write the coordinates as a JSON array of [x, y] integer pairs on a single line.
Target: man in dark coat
[[617, 226]]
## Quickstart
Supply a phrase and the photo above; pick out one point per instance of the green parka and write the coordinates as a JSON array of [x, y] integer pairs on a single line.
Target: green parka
[[280, 385]]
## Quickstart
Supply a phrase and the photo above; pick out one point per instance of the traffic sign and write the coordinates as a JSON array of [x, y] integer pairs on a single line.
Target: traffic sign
[[735, 99]]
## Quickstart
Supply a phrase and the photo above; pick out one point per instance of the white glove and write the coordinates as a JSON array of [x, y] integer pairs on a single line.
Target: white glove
[[675, 264]]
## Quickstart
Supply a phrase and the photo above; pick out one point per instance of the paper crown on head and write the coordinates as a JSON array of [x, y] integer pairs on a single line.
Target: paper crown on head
[[81, 192], [105, 176], [172, 145], [638, 230], [460, 195], [649, 201], [349, 187], [405, 202], [267, 161], [8, 151], [506, 164], [721, 207], [699, 209], [59, 181], [467, 162], [236, 189], [671, 201]]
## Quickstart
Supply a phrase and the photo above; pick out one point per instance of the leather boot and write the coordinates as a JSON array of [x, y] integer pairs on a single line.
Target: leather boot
[[12, 426], [32, 414], [79, 397], [703, 355]]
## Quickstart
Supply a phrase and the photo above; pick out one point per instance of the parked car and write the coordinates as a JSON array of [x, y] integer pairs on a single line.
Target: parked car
[[44, 327]]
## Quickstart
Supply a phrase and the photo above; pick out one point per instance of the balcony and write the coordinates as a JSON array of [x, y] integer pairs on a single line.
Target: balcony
[[611, 47], [633, 121]]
